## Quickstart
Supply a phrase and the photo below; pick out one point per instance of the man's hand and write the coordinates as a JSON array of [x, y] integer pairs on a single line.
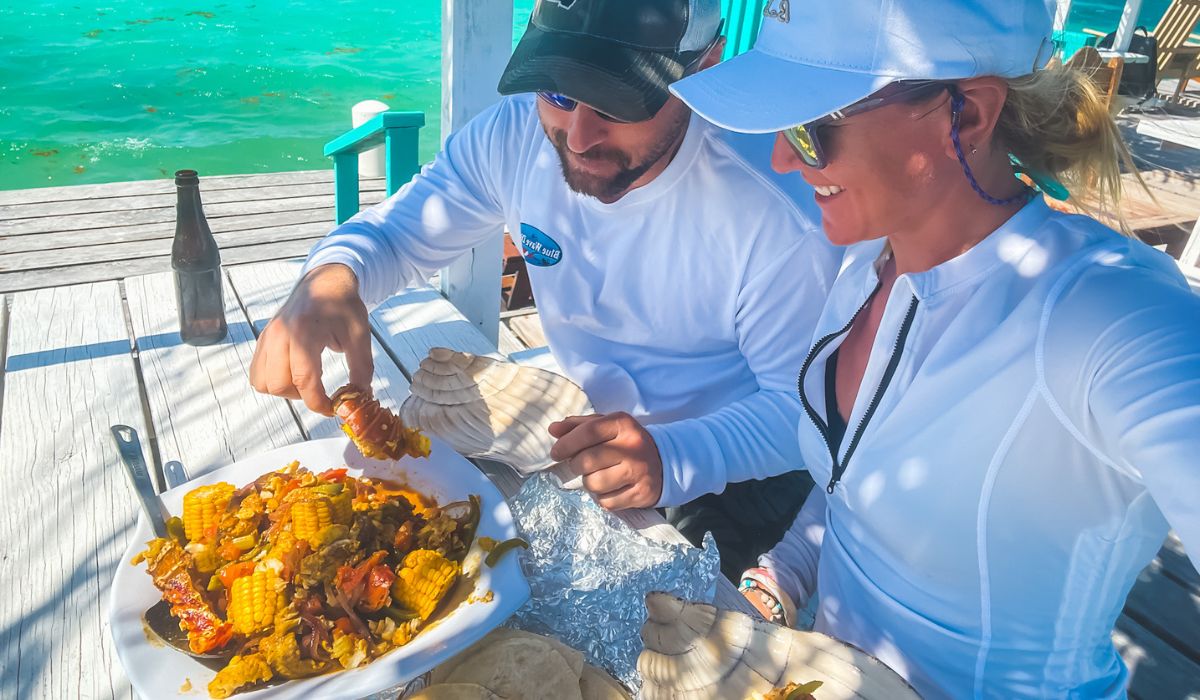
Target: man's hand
[[323, 311], [615, 455]]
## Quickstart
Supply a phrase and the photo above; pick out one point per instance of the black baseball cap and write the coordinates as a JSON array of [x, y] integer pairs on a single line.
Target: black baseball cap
[[618, 56]]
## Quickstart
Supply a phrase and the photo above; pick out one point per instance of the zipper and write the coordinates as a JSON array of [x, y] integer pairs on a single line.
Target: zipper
[[822, 426], [839, 467]]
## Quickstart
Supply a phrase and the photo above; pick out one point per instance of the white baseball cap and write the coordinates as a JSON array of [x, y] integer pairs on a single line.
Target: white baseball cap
[[813, 57]]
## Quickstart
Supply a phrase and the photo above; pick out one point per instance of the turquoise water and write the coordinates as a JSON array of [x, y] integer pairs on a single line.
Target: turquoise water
[[126, 91]]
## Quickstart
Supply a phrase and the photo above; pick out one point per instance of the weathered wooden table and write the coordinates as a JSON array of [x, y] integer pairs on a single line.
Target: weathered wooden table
[[81, 358]]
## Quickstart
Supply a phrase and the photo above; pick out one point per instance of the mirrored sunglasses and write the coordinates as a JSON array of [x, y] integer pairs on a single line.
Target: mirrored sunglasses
[[566, 104], [805, 139]]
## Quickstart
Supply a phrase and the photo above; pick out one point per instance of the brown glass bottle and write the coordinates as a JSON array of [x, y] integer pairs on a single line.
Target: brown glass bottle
[[197, 265]]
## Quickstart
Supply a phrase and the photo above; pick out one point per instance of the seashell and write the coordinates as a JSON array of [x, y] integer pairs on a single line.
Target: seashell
[[490, 408], [694, 651]]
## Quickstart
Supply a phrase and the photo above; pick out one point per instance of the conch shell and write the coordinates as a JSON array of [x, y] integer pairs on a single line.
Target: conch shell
[[694, 651], [490, 408]]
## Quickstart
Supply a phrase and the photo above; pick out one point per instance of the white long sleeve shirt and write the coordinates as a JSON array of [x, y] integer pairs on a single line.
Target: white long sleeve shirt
[[688, 303], [1039, 434]]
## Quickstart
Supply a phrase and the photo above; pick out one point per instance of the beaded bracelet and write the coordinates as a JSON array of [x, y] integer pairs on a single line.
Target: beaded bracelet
[[760, 581]]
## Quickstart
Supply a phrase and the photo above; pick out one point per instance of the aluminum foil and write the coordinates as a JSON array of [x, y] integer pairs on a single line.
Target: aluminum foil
[[589, 573]]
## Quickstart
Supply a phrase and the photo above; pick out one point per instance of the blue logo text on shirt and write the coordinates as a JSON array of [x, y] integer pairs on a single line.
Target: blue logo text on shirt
[[537, 248]]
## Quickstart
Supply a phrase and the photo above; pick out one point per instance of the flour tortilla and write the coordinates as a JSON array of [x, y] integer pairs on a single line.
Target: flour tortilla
[[456, 691], [596, 684], [520, 668], [573, 658]]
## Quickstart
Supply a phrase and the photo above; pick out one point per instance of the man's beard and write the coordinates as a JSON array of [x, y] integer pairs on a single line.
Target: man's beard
[[609, 188]]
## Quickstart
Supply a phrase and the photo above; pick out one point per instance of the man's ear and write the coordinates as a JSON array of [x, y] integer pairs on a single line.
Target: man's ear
[[713, 57], [983, 100]]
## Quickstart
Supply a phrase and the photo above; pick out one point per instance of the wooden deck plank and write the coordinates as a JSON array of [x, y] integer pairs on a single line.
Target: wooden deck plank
[[69, 375], [149, 232], [528, 328], [133, 250], [262, 289], [1175, 563], [420, 318], [97, 205], [508, 341], [202, 413], [1157, 671], [75, 274], [67, 193], [215, 213], [1172, 611], [5, 303]]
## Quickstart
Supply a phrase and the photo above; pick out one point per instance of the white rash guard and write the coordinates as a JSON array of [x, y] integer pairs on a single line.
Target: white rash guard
[[1039, 433], [688, 303]]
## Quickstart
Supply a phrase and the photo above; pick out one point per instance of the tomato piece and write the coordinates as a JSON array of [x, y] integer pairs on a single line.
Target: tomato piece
[[231, 572]]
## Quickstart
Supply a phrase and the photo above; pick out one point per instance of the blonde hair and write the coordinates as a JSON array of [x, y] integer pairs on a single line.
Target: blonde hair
[[1056, 121]]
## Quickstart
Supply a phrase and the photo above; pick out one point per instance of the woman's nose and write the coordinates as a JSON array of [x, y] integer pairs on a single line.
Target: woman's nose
[[784, 158]]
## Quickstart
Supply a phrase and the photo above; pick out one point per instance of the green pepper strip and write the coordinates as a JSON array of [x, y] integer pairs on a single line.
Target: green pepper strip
[[175, 530], [806, 689], [399, 615], [498, 552], [470, 524]]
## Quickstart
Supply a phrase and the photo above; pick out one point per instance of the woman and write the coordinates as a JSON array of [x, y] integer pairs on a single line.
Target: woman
[[1003, 401]]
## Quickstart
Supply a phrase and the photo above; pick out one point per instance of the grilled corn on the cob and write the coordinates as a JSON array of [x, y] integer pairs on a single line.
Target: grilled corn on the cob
[[203, 507], [255, 600], [423, 581], [312, 512]]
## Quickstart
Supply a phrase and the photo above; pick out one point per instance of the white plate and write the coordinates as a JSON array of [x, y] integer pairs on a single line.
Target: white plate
[[157, 671]]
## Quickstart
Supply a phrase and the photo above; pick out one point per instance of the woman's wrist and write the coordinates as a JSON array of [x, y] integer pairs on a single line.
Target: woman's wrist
[[758, 582]]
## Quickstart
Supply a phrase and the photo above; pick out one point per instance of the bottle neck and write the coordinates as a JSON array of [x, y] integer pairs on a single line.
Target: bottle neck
[[188, 207], [194, 244]]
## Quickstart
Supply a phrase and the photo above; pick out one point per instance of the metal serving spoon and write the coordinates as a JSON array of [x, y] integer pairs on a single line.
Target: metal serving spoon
[[158, 619]]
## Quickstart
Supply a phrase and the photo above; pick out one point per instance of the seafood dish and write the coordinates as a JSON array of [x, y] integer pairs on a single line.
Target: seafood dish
[[298, 574]]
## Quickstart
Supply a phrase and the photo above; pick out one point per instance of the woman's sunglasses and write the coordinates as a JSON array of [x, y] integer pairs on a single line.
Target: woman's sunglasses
[[805, 139]]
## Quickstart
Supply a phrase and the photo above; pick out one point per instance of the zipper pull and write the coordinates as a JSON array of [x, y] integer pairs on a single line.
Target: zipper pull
[[829, 488]]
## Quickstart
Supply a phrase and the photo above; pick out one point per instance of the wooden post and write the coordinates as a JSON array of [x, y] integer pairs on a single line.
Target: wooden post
[[345, 179], [1061, 10], [1190, 258], [476, 44], [1129, 17]]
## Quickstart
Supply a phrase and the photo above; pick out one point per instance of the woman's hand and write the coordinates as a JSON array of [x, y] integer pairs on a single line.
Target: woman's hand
[[764, 603]]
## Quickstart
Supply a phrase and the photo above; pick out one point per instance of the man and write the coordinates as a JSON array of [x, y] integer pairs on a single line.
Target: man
[[677, 279]]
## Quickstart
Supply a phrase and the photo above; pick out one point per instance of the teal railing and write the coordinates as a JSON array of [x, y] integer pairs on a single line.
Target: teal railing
[[397, 131], [742, 20]]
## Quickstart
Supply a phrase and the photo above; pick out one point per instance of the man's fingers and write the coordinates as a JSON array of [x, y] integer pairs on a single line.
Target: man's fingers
[[587, 434], [560, 428], [621, 499], [596, 458], [306, 377], [358, 354], [271, 368]]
